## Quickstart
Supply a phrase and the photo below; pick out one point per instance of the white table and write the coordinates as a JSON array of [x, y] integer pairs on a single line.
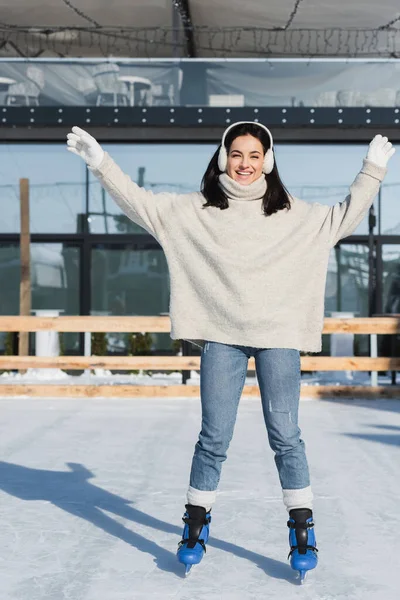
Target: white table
[[5, 83], [133, 80], [47, 343], [342, 344]]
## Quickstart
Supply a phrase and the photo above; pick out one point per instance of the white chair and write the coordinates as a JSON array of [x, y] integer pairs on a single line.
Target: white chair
[[163, 94], [26, 93], [140, 90], [381, 97], [87, 87], [111, 91], [350, 98], [326, 99]]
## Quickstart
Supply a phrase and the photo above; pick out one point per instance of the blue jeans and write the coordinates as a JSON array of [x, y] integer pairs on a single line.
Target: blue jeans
[[223, 370]]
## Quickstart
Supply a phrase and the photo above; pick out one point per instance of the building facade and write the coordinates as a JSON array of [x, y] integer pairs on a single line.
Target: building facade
[[162, 127]]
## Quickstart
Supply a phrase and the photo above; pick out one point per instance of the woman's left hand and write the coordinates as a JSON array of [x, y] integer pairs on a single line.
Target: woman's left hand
[[380, 151]]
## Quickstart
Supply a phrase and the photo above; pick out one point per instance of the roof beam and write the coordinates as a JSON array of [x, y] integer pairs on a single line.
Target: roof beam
[[183, 8]]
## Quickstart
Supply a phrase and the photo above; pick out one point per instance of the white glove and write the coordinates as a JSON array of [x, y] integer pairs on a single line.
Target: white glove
[[80, 142], [380, 150]]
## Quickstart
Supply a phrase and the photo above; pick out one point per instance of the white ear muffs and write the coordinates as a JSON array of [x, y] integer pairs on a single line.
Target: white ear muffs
[[269, 155]]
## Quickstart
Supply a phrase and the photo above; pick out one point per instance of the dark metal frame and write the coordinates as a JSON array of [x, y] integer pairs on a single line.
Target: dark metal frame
[[196, 116], [183, 7], [85, 242]]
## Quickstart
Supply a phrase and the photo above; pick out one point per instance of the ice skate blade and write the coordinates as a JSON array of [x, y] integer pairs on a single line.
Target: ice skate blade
[[302, 575], [188, 569]]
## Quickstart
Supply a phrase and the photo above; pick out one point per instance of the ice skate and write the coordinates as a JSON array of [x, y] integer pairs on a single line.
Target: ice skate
[[192, 547], [303, 550]]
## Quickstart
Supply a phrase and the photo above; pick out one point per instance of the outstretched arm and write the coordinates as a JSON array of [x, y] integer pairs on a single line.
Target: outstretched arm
[[342, 218], [142, 206]]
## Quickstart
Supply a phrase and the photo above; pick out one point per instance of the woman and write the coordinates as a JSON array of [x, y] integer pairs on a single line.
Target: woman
[[247, 264]]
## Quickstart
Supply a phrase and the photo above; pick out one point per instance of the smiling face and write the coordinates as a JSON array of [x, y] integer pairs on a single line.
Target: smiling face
[[245, 159]]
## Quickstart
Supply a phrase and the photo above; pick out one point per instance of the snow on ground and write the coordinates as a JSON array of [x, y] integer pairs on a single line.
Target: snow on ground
[[104, 376], [92, 493]]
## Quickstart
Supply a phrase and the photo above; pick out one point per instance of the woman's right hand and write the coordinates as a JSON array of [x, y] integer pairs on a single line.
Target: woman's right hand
[[80, 142]]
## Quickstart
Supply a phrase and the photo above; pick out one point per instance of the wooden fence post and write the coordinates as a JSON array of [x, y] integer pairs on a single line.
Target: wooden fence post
[[25, 282]]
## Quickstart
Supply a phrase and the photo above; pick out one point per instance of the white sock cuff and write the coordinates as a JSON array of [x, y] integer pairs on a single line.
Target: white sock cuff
[[302, 498], [201, 497]]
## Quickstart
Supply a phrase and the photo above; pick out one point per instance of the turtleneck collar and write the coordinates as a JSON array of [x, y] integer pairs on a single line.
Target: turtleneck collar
[[237, 191]]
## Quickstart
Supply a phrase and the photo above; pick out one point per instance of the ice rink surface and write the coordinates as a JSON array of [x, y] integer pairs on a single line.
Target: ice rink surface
[[92, 493]]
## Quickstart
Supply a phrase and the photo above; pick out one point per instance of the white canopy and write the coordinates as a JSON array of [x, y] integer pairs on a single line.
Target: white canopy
[[232, 28]]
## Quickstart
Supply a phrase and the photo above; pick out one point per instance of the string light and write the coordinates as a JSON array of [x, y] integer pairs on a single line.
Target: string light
[[216, 42], [81, 13], [292, 14]]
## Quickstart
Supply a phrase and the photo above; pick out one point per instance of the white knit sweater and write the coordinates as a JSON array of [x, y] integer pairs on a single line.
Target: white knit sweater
[[237, 276]]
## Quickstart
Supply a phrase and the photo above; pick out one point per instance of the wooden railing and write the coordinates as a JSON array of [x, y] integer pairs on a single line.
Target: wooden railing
[[87, 324]]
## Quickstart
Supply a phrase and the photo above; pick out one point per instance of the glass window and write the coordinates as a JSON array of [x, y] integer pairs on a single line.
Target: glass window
[[323, 173], [9, 283], [390, 198], [391, 278], [55, 277], [162, 167], [54, 283], [347, 279], [215, 82], [55, 280], [347, 288], [298, 82], [130, 282], [9, 279], [57, 187], [390, 345], [314, 172]]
